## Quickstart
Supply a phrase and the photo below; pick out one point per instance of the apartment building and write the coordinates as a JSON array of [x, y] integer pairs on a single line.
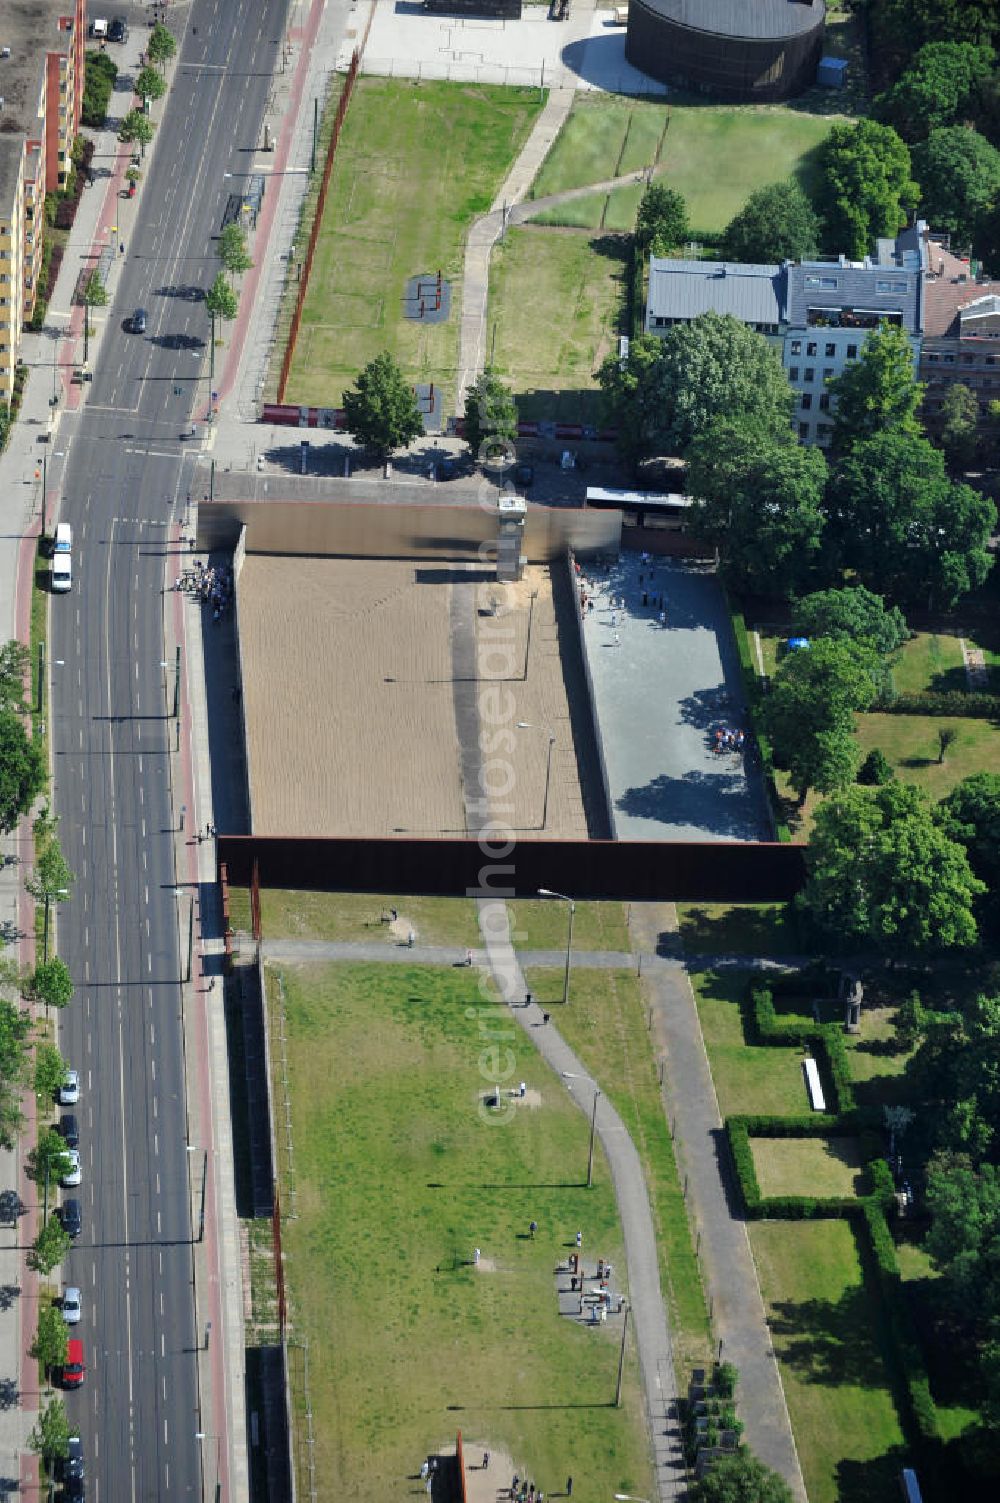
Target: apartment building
[[41, 96], [818, 314], [961, 332]]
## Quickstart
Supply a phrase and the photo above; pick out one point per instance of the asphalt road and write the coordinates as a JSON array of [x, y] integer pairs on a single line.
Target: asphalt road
[[126, 468]]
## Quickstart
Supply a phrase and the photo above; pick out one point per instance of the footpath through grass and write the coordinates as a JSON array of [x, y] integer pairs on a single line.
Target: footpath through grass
[[416, 163], [714, 156], [605, 1023], [399, 1178]]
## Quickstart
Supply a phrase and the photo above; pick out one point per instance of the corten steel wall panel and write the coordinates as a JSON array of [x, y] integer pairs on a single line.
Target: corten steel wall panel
[[640, 871], [391, 529], [761, 70]]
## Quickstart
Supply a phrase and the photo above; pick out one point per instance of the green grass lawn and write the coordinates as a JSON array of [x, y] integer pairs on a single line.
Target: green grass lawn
[[748, 1077], [399, 1176], [554, 302], [542, 924], [605, 1024], [736, 929], [357, 917], [910, 743], [714, 156], [417, 162], [929, 661], [809, 1166], [825, 1328]]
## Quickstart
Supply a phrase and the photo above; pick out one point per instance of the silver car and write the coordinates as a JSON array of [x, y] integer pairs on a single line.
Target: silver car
[[72, 1306], [69, 1091]]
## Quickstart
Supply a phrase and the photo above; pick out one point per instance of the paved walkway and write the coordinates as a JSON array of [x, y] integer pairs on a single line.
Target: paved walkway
[[652, 1332], [728, 1268], [398, 952]]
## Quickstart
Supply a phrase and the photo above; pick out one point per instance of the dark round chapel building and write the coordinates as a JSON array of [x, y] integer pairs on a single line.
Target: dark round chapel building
[[742, 50]]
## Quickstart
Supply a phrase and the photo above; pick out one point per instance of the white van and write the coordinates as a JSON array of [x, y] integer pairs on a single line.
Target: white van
[[63, 541], [62, 572]]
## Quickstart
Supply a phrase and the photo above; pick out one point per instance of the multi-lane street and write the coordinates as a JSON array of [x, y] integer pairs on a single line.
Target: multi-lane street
[[125, 474]]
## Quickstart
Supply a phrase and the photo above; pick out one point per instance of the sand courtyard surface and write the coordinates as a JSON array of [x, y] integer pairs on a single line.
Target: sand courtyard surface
[[380, 696]]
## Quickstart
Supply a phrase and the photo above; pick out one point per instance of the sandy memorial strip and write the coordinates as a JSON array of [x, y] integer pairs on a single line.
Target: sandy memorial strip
[[352, 671]]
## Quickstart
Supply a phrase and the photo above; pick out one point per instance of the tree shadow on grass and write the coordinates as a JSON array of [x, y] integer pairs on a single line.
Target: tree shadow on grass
[[878, 1477], [831, 1341]]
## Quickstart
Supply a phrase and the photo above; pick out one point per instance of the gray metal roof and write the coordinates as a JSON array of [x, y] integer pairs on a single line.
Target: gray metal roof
[[743, 18], [844, 284], [683, 289]]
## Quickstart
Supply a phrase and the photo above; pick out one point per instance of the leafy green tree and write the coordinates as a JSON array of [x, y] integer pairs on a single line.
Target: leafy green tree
[[959, 425], [99, 74], [809, 713], [909, 531], [777, 223], [49, 1437], [50, 1070], [758, 496], [95, 294], [22, 770], [15, 663], [970, 814], [959, 180], [49, 1158], [882, 873], [15, 1027], [964, 1235], [937, 89], [661, 223], [956, 1075], [876, 770], [946, 738], [490, 414], [864, 186], [51, 1338], [51, 881], [149, 83], [852, 614], [878, 391], [51, 983], [136, 128], [233, 251], [381, 411], [670, 389], [50, 1246], [741, 1478], [220, 299], [161, 45]]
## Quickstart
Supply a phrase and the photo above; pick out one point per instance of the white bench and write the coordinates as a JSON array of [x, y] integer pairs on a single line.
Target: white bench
[[816, 1098]]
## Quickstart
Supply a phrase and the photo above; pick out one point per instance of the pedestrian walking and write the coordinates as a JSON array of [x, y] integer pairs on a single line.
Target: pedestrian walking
[[486, 1461], [545, 1017], [532, 1228], [579, 1239], [411, 939], [569, 1487], [475, 1259]]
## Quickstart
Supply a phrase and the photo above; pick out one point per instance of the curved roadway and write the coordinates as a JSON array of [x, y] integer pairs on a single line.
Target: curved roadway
[[126, 466]]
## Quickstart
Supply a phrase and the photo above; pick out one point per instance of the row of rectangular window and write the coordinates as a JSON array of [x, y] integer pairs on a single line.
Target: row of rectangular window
[[830, 350]]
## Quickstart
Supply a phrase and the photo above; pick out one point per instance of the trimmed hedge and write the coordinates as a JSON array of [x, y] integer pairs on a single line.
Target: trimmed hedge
[[868, 1213], [954, 702]]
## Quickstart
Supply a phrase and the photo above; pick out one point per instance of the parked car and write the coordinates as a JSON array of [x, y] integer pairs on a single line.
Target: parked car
[[70, 1129], [74, 1490], [73, 1463], [74, 1368], [72, 1306], [524, 476], [118, 29], [69, 1091], [74, 1174], [71, 1216]]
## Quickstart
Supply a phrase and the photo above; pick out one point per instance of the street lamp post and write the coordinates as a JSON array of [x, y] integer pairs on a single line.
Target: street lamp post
[[59, 892], [621, 1358], [203, 1435], [529, 725], [546, 892]]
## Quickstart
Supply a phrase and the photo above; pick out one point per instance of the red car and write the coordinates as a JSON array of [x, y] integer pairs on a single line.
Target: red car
[[74, 1368]]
